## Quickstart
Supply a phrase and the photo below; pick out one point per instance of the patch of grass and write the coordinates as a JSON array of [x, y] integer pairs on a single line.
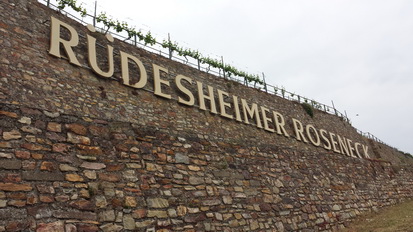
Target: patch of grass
[[391, 219]]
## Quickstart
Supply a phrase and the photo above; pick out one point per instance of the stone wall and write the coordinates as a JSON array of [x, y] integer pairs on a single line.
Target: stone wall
[[83, 153]]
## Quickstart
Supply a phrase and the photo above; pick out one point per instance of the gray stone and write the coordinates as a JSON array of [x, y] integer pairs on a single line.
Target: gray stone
[[93, 166], [111, 228], [181, 158], [280, 226], [128, 222], [26, 120], [10, 164], [283, 213], [107, 216], [211, 202], [64, 214], [51, 115], [227, 200], [157, 203], [43, 176], [13, 213], [336, 207], [144, 223], [196, 180]]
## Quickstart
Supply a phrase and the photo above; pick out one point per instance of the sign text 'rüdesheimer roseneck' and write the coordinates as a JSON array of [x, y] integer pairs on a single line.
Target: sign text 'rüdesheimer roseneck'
[[237, 109]]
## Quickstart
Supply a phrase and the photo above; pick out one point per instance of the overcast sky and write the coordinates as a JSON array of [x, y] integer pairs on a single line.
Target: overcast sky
[[357, 53]]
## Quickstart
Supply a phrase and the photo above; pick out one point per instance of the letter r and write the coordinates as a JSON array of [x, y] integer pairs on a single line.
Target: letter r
[[55, 40]]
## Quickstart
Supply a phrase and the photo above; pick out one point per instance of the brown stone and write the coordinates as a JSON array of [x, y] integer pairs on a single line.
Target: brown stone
[[191, 218], [31, 130], [93, 166], [37, 156], [54, 127], [77, 128], [32, 199], [17, 226], [55, 137], [130, 201], [10, 187], [83, 205], [16, 203], [139, 213], [134, 190], [46, 198], [74, 177], [12, 177], [67, 168], [78, 139], [34, 147], [12, 135], [87, 228], [17, 195], [62, 198], [5, 145], [57, 226], [161, 157], [61, 147], [89, 150], [99, 131], [28, 165], [109, 177], [48, 166], [9, 114], [41, 188], [194, 168], [114, 167], [181, 210]]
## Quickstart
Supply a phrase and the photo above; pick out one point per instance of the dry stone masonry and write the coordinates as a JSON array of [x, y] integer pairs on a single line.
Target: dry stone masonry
[[79, 152]]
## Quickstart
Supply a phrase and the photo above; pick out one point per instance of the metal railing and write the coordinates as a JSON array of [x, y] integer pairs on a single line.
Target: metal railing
[[265, 87]]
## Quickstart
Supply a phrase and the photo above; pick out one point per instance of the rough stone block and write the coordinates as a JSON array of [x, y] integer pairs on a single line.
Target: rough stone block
[[51, 227], [7, 213], [157, 203], [43, 176], [77, 128], [11, 187], [65, 214], [10, 164]]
